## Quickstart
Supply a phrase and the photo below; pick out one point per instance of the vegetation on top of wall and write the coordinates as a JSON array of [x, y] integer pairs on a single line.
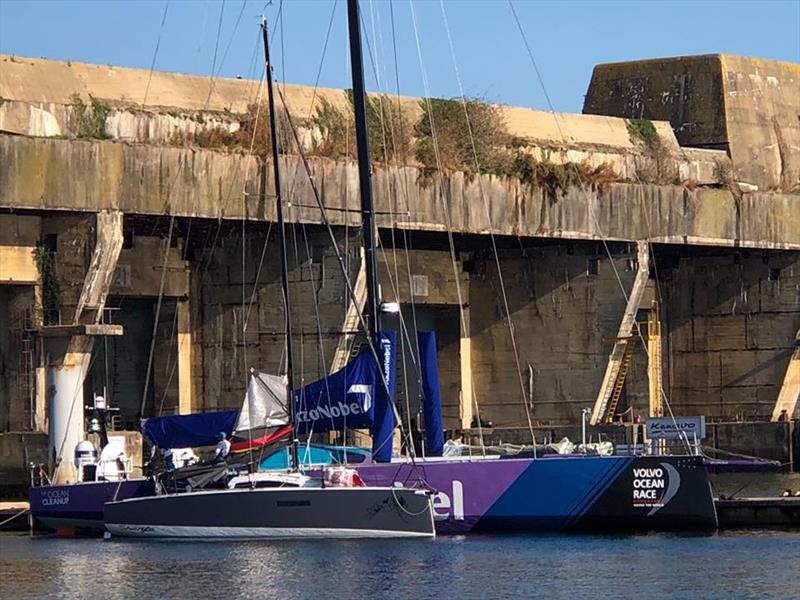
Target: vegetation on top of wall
[[253, 132], [643, 130], [90, 120], [554, 178], [443, 140], [388, 128], [659, 166], [439, 141], [334, 136], [51, 292]]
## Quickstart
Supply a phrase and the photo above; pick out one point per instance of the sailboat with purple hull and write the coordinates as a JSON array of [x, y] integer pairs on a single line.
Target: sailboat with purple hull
[[472, 493]]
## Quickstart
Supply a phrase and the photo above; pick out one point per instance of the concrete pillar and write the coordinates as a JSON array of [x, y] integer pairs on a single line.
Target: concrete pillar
[[790, 390], [40, 411], [184, 358], [465, 358], [70, 349], [66, 373]]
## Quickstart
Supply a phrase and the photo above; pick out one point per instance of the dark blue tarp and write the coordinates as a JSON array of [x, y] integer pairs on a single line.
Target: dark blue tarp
[[431, 396], [343, 400], [189, 431]]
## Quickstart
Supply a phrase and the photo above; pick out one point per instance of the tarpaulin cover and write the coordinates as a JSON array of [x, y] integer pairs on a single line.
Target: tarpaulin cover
[[345, 399], [189, 431], [431, 396]]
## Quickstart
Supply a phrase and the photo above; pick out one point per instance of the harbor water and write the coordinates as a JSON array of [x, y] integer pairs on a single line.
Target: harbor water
[[730, 564]]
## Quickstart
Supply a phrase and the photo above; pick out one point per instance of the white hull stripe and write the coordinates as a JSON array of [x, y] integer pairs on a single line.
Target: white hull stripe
[[190, 531]]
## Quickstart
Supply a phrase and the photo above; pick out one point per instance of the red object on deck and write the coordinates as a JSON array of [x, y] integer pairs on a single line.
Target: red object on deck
[[65, 532], [264, 440]]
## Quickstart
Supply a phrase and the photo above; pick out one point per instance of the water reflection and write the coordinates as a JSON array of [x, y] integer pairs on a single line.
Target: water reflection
[[737, 564]]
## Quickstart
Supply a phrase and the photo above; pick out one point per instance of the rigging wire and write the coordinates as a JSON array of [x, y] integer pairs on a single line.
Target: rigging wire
[[340, 261], [233, 36], [158, 312], [405, 337], [514, 346], [404, 187], [216, 49], [590, 204], [155, 52], [202, 270], [394, 282], [448, 224]]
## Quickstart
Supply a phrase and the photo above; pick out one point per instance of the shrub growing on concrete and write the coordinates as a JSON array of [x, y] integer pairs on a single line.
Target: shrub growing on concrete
[[253, 133], [333, 134], [90, 120], [658, 166], [51, 293], [443, 136], [387, 126]]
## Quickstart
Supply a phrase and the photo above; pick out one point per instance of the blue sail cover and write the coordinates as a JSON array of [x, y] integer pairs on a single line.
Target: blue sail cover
[[431, 396], [346, 399], [189, 431]]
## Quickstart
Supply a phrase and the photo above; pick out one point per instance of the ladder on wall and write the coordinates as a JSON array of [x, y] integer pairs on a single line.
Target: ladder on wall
[[654, 360], [21, 331], [619, 382], [625, 331]]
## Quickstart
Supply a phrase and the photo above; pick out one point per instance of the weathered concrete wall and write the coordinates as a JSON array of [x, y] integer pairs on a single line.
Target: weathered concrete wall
[[74, 245], [136, 179], [17, 451], [19, 235], [745, 105], [39, 94], [237, 320], [761, 109], [586, 142], [731, 322], [560, 312], [17, 358]]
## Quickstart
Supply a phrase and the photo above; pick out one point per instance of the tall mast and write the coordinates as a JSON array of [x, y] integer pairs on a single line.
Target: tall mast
[[384, 417], [282, 234], [372, 306]]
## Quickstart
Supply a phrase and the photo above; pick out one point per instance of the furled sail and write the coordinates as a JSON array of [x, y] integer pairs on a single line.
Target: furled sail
[[431, 395]]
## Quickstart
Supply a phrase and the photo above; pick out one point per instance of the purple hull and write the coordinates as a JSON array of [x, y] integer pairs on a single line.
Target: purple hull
[[80, 505], [555, 493], [560, 493]]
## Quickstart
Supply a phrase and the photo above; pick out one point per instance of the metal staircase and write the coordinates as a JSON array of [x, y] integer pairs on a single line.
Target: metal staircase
[[615, 360], [619, 382]]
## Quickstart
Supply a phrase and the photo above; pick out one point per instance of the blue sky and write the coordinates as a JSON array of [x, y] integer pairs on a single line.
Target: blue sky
[[567, 38]]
